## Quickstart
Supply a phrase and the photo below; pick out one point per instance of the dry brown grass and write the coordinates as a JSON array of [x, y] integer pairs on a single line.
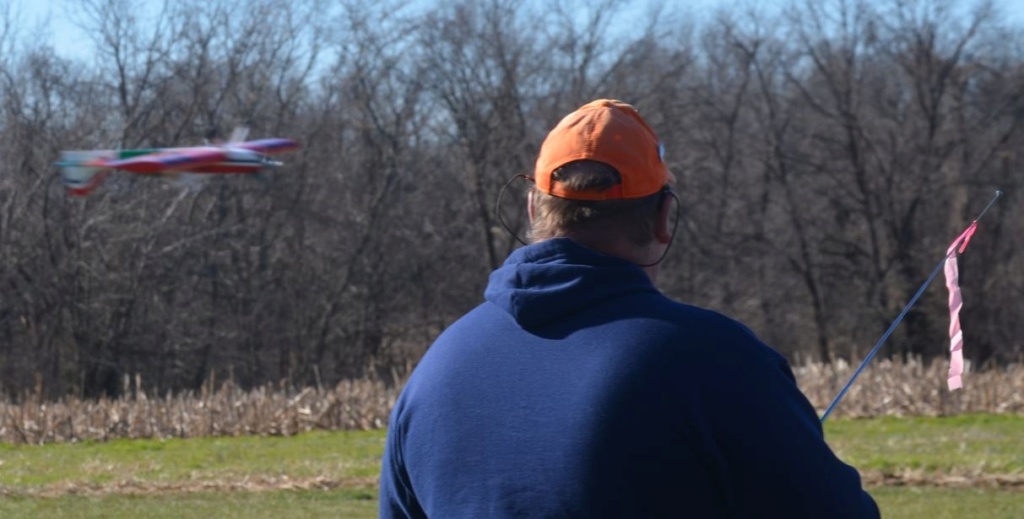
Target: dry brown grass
[[223, 484], [885, 388], [226, 411], [958, 479], [913, 388]]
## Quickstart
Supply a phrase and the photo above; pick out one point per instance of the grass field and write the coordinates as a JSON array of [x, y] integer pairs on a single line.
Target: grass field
[[927, 467], [969, 445]]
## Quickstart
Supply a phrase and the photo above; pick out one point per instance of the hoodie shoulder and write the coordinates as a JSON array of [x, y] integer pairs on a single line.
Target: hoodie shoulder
[[703, 329]]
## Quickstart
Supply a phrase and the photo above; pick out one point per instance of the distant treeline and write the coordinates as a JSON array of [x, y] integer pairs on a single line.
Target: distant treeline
[[826, 156]]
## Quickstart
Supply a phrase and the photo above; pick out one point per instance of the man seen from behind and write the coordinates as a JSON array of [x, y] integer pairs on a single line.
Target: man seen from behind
[[577, 389]]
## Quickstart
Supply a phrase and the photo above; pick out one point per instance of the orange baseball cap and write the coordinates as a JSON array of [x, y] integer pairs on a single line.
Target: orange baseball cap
[[608, 131]]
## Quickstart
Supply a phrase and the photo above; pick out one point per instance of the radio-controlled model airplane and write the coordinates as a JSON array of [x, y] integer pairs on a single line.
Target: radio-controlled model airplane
[[83, 171]]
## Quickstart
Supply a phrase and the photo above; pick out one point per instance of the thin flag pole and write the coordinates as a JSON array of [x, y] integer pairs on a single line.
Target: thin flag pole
[[892, 327]]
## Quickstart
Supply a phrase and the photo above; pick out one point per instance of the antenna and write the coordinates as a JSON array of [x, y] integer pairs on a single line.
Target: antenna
[[892, 327]]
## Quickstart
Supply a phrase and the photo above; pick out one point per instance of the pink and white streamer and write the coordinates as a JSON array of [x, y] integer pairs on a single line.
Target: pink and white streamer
[[956, 335]]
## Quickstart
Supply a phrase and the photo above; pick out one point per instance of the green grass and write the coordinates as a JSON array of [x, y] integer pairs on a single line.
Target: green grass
[[346, 455], [42, 481], [991, 444], [895, 503], [145, 478], [946, 503], [966, 444], [198, 505]]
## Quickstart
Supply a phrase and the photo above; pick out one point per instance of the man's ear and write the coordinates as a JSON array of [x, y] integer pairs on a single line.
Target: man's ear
[[662, 227], [529, 204]]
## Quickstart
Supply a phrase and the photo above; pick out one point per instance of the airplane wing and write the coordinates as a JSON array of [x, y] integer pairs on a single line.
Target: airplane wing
[[170, 161], [268, 146]]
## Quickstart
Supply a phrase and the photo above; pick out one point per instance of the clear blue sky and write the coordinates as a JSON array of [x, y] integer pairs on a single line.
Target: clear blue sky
[[69, 41]]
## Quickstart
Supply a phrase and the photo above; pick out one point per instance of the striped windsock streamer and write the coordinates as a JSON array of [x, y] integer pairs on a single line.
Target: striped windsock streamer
[[956, 335]]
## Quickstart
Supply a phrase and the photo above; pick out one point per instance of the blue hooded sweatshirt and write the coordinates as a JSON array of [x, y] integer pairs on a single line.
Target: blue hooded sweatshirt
[[579, 390]]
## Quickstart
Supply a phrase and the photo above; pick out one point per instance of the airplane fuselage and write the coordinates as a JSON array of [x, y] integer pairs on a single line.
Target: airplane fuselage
[[84, 170]]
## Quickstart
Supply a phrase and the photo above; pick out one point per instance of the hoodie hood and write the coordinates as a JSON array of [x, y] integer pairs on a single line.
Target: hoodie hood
[[542, 282]]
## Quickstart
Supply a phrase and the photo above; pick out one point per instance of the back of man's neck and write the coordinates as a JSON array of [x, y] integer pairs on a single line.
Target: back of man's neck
[[617, 246]]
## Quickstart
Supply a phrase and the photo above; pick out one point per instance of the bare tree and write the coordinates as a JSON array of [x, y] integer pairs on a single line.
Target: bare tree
[[825, 157]]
